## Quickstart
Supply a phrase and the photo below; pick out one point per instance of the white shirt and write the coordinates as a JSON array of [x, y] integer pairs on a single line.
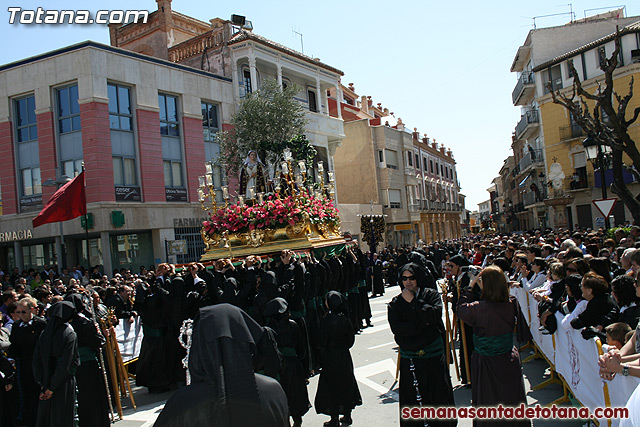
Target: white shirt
[[536, 281], [580, 307]]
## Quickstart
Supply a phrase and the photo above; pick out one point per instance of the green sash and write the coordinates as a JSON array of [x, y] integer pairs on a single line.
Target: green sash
[[493, 346], [436, 348], [287, 351], [152, 332], [86, 354]]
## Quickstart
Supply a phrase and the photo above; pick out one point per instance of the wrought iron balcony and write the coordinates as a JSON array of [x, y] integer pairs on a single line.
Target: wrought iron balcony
[[526, 85], [576, 182], [532, 157], [529, 120], [570, 132], [533, 197]]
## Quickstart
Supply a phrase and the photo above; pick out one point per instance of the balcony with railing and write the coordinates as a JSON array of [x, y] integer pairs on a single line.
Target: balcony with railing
[[570, 132], [195, 46], [524, 88], [533, 197], [532, 157], [576, 182], [528, 121]]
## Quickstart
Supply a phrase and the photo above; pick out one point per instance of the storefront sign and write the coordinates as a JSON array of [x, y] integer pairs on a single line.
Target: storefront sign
[[187, 222], [30, 204], [176, 194], [403, 227], [10, 236], [128, 194]]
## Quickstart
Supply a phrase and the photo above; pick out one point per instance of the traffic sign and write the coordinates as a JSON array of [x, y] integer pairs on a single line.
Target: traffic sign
[[605, 206]]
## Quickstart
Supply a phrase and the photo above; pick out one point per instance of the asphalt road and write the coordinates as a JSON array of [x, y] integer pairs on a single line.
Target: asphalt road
[[374, 355]]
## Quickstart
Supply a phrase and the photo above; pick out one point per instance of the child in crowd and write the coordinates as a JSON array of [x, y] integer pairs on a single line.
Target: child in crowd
[[617, 334]]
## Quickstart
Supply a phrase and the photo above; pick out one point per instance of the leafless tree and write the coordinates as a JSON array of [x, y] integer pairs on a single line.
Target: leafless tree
[[607, 123]]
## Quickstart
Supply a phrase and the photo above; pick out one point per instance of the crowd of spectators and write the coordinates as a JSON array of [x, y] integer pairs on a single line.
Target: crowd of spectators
[[589, 276]]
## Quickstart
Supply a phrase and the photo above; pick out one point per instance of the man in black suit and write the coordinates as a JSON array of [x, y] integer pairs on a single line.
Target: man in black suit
[[122, 304]]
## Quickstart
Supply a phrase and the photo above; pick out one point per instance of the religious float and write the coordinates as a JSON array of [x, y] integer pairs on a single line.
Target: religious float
[[295, 212]]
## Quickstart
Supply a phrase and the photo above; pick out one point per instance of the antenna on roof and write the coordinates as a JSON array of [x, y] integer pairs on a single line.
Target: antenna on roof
[[610, 8], [299, 34], [570, 13]]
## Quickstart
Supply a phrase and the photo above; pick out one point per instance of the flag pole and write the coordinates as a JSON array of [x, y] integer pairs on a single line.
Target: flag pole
[[86, 224]]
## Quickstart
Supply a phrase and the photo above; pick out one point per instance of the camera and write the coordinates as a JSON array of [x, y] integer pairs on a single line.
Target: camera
[[472, 270]]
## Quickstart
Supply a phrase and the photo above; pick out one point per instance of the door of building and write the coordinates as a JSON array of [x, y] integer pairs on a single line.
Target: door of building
[[569, 218], [584, 216]]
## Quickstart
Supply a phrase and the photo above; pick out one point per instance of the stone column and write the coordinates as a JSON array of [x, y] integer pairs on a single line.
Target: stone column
[[253, 71], [105, 245], [234, 79], [319, 96], [17, 253], [279, 71], [339, 97]]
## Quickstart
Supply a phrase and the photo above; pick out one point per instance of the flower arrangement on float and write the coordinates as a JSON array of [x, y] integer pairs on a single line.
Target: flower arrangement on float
[[291, 212], [272, 212]]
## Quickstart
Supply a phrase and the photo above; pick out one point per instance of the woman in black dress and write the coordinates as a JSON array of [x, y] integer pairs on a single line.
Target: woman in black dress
[[415, 317], [338, 392]]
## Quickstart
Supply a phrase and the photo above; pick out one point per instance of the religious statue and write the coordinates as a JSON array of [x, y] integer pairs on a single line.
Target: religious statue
[[556, 178], [253, 176]]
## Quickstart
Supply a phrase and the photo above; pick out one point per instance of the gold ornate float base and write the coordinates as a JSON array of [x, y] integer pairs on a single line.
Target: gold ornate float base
[[271, 241]]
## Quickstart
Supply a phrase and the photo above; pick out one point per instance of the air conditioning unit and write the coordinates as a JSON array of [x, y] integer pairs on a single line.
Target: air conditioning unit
[[635, 56]]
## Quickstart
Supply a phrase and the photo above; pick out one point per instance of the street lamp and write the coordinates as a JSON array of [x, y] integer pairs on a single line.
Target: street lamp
[[599, 155], [62, 261]]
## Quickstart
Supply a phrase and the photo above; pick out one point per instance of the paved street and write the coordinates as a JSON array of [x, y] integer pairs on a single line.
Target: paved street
[[374, 356]]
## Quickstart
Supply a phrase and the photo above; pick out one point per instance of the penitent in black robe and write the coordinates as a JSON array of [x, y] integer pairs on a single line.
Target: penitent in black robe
[[225, 392], [496, 379], [293, 375], [55, 360], [337, 387], [418, 330], [152, 370], [24, 338]]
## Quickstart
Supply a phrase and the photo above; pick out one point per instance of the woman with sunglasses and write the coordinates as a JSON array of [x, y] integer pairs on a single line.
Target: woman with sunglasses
[[496, 373], [415, 317]]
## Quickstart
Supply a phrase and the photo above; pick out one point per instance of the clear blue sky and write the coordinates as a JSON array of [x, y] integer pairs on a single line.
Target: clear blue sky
[[441, 67]]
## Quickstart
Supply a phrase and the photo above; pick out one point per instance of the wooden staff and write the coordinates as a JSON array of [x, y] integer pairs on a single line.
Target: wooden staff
[[112, 367], [449, 334], [101, 363], [463, 335]]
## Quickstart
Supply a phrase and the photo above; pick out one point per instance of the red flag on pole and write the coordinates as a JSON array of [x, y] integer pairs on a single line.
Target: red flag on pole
[[67, 203]]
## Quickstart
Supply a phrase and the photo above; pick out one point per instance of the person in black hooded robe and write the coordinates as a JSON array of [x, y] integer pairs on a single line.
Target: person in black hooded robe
[[55, 360], [338, 391], [292, 346], [415, 318], [151, 370], [93, 403], [224, 390]]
